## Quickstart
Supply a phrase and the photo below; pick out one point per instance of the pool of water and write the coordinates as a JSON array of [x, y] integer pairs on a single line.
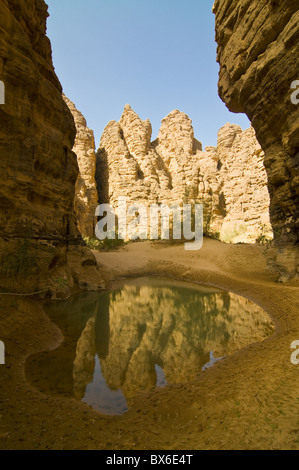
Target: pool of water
[[147, 333]]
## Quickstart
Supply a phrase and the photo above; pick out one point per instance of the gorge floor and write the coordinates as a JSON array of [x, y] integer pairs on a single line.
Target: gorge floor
[[246, 401]]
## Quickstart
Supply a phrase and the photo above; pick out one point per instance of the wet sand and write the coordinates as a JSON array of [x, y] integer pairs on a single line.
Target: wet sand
[[247, 401]]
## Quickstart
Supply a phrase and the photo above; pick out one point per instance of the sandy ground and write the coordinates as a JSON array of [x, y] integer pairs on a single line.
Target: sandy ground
[[247, 401]]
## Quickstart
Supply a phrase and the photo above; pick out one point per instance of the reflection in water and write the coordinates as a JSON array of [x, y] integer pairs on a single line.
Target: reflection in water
[[148, 333], [84, 363], [161, 381], [211, 362], [101, 397]]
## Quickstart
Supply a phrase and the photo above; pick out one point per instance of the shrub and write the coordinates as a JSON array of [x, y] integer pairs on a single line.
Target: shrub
[[103, 245]]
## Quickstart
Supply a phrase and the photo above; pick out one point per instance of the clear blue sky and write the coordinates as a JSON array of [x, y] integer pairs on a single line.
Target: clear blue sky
[[156, 55]]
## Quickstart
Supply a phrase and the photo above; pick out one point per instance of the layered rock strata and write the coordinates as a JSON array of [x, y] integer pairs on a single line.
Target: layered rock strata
[[258, 53], [230, 180], [86, 195], [38, 168]]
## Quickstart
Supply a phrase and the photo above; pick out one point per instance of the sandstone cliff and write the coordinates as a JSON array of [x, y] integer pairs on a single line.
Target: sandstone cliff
[[230, 180], [86, 195], [38, 168], [258, 53]]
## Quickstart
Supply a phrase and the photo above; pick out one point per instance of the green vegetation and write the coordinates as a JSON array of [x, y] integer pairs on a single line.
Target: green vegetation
[[277, 230], [61, 283], [103, 245], [263, 239], [230, 234]]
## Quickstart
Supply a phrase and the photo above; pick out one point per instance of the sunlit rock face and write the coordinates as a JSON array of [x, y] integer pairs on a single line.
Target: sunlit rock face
[[230, 180], [86, 195], [38, 168], [258, 53], [143, 171], [234, 186]]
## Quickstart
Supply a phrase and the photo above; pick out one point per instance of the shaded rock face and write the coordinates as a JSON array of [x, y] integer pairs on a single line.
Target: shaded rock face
[[128, 164], [86, 195], [258, 45], [38, 168], [230, 180]]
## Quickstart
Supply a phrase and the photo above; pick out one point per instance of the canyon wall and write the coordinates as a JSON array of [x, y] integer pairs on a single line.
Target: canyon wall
[[40, 243], [86, 195], [230, 180], [258, 53]]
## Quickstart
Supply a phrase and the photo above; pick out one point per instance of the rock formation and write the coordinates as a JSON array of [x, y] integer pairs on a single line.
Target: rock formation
[[230, 180], [39, 246], [258, 53], [86, 195]]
